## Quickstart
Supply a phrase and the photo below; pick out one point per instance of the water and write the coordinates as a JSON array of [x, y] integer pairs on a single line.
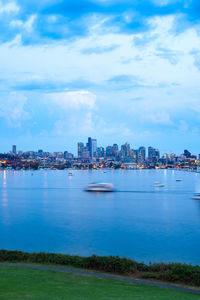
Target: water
[[49, 211]]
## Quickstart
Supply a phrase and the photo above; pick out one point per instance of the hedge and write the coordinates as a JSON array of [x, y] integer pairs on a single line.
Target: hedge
[[174, 272]]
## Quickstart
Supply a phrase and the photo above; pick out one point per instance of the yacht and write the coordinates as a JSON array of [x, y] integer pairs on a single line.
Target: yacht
[[158, 184], [99, 187], [196, 196]]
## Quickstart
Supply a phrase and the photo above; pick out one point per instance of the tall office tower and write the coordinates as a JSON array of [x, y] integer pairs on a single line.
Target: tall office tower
[[153, 154], [40, 153], [80, 150], [187, 154], [14, 149], [125, 150], [141, 154], [115, 149], [92, 147], [85, 153], [100, 152], [157, 154], [109, 151]]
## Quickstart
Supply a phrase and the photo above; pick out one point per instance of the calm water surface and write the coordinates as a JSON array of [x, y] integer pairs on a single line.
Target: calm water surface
[[49, 211]]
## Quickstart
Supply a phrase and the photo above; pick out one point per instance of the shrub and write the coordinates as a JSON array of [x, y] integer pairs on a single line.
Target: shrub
[[174, 272]]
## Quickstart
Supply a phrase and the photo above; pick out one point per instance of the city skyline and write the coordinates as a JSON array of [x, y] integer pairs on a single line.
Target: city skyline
[[121, 70], [92, 149]]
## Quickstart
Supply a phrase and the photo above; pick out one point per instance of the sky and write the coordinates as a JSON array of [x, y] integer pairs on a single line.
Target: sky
[[119, 71]]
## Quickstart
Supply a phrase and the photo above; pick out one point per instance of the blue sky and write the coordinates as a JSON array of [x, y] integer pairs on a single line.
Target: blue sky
[[114, 70]]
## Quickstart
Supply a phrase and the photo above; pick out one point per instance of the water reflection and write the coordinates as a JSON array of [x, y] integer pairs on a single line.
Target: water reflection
[[4, 179], [4, 198]]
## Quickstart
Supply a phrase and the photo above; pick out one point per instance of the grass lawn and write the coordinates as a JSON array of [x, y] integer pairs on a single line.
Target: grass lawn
[[19, 284]]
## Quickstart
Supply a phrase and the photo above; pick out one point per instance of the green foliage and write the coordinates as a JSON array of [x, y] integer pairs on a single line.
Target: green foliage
[[113, 264], [174, 272], [184, 273], [151, 276]]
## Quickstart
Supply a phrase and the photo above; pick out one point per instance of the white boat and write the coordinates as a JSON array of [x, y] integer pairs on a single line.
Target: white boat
[[158, 184], [70, 173], [196, 196], [99, 187]]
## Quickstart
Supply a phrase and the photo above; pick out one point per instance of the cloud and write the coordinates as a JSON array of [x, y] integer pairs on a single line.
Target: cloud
[[124, 81], [99, 50], [196, 55], [12, 109], [74, 99], [27, 25], [10, 7], [61, 20], [170, 55]]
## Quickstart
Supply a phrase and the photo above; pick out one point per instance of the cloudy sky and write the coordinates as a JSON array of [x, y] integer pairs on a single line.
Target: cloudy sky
[[116, 70]]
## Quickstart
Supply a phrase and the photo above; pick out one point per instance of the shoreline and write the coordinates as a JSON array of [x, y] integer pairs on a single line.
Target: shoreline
[[177, 273]]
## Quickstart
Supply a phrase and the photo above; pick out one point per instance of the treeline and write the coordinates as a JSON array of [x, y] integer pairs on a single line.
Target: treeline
[[173, 272]]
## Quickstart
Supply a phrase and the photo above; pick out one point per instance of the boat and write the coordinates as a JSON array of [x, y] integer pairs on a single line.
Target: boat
[[178, 180], [196, 196], [158, 184], [70, 173], [99, 187]]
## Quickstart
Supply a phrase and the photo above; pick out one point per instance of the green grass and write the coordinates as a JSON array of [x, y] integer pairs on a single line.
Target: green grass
[[19, 284]]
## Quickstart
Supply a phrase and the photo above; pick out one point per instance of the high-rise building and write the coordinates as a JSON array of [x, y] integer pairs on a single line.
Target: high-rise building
[[92, 147], [40, 153], [80, 150], [115, 149], [100, 152], [141, 154], [153, 154], [109, 151], [125, 150], [187, 154], [14, 149], [85, 153]]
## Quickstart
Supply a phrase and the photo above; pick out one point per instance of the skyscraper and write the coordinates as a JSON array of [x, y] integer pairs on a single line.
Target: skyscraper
[[153, 154], [80, 150], [141, 154], [92, 147], [14, 149]]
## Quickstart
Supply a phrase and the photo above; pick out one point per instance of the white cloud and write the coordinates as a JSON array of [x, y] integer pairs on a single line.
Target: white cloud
[[10, 7], [28, 25], [12, 109], [74, 99]]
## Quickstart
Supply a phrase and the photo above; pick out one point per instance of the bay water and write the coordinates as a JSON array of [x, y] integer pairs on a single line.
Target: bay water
[[48, 210]]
